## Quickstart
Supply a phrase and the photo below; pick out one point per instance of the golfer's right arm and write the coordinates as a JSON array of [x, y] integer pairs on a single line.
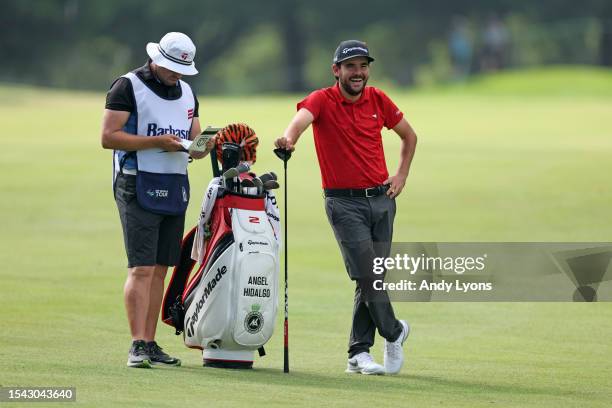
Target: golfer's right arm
[[302, 119], [114, 137]]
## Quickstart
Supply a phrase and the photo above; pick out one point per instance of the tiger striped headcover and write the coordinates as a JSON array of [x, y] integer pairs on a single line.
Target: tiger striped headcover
[[241, 134]]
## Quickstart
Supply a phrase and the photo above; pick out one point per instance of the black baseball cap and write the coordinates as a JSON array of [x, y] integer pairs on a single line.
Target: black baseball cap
[[351, 48]]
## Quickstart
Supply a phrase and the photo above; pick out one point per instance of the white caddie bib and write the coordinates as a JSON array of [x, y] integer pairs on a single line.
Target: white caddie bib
[[158, 116], [161, 180]]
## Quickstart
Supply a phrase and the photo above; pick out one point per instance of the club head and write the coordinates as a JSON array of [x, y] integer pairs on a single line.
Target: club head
[[268, 176], [271, 185], [231, 173], [283, 154]]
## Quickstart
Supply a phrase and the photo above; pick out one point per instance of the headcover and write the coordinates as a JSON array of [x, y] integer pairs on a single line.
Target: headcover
[[242, 135]]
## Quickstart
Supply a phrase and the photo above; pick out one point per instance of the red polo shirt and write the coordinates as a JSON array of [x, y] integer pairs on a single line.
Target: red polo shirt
[[347, 136]]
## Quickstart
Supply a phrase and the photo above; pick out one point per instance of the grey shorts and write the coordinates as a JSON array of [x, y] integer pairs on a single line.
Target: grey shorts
[[149, 238]]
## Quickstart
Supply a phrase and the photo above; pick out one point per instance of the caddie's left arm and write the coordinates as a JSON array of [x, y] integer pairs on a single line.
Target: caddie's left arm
[[409, 141]]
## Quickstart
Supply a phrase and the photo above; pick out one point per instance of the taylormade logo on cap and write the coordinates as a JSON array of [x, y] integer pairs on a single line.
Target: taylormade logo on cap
[[177, 47], [350, 49], [344, 51]]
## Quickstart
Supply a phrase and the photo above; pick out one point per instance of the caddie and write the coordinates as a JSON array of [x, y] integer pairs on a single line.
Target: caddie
[[149, 112]]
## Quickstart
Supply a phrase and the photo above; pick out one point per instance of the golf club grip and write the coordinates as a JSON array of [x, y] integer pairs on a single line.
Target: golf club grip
[[286, 351]]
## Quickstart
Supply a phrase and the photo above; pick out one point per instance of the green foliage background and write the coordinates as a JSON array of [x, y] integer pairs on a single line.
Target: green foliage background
[[250, 47]]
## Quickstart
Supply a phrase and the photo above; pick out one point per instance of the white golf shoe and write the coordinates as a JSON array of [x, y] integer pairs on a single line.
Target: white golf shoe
[[364, 363], [394, 354]]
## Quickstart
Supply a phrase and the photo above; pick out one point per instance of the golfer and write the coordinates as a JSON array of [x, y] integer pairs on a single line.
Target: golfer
[[347, 119], [149, 112]]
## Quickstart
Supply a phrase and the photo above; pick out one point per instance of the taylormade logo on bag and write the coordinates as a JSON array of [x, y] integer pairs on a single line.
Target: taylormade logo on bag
[[257, 243], [154, 130], [191, 321]]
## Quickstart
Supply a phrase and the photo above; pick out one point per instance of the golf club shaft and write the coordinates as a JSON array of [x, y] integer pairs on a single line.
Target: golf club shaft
[[286, 332]]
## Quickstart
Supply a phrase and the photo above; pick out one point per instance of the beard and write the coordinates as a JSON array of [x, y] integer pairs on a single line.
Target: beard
[[347, 86]]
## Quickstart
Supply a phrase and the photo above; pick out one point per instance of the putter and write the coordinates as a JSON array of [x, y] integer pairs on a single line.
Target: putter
[[285, 155]]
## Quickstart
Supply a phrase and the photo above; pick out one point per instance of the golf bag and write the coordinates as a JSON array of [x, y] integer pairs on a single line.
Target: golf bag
[[228, 308]]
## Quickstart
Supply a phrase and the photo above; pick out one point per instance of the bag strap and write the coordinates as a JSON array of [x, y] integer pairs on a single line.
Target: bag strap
[[213, 154], [214, 163]]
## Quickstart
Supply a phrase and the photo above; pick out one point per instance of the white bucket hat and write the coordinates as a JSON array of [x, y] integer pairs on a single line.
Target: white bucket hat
[[175, 52]]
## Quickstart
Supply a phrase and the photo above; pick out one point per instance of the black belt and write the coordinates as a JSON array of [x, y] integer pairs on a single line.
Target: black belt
[[356, 192]]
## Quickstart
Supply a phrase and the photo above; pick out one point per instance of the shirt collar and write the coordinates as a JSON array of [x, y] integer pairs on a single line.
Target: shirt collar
[[146, 71], [365, 95], [147, 74]]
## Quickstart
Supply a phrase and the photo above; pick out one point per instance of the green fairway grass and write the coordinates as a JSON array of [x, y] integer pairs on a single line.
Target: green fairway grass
[[506, 158]]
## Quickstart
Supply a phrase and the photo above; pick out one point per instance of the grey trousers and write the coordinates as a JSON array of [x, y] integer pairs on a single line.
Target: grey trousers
[[364, 229]]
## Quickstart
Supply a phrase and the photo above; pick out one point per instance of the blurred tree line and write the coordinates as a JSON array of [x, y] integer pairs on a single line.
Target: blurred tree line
[[280, 46]]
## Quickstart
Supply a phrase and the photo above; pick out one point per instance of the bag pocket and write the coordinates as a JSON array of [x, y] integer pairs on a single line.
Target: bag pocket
[[166, 194]]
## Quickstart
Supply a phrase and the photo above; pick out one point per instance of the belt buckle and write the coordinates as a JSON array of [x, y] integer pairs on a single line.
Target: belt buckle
[[367, 192]]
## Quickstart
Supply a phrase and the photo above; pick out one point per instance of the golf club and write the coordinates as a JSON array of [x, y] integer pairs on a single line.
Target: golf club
[[271, 185], [285, 155], [242, 167], [259, 184], [268, 176]]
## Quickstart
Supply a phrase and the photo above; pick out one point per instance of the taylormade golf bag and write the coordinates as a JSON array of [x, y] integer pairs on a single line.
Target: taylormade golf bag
[[228, 308]]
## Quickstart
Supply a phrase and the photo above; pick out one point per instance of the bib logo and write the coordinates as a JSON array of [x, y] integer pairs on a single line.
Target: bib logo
[[157, 193], [154, 130], [253, 322]]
